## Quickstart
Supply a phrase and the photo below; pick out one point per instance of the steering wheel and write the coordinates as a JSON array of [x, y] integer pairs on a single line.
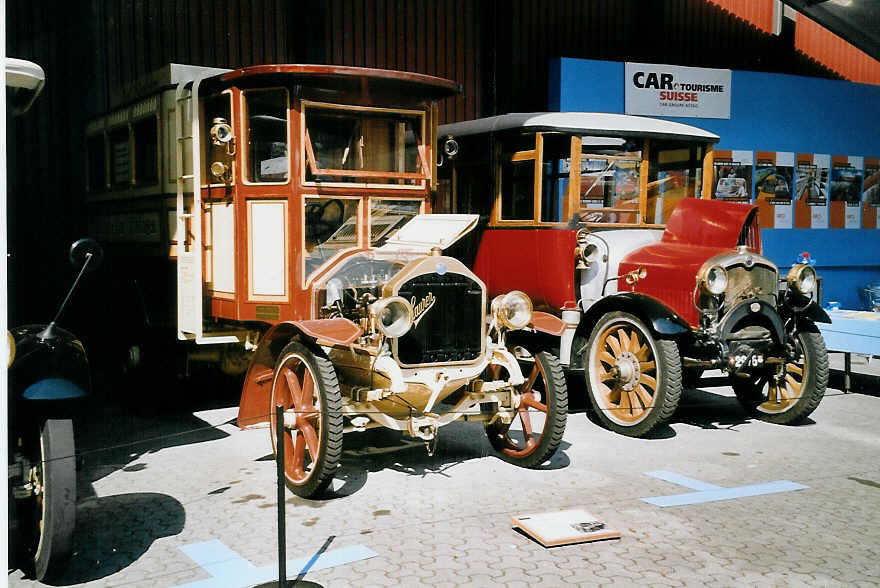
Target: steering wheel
[[323, 219]]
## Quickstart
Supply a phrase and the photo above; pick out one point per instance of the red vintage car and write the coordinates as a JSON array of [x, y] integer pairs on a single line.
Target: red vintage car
[[606, 221]]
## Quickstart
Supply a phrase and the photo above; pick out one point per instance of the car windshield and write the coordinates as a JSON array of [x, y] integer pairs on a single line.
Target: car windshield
[[359, 145]]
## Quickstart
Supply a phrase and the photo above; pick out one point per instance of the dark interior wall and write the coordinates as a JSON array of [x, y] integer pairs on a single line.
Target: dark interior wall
[[94, 53]]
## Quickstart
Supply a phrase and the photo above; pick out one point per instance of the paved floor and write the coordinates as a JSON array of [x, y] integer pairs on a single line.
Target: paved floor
[[177, 481]]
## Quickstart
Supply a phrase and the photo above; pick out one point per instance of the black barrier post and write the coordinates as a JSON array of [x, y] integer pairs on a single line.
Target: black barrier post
[[279, 459]]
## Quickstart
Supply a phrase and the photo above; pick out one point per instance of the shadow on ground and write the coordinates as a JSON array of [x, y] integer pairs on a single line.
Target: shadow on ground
[[380, 449], [112, 532]]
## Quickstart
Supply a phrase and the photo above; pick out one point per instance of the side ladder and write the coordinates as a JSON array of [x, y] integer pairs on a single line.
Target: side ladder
[[190, 245]]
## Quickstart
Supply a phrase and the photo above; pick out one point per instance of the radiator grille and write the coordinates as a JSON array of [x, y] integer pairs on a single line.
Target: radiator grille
[[449, 320]]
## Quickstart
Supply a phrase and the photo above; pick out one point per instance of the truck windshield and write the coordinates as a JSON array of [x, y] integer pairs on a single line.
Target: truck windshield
[[361, 145]]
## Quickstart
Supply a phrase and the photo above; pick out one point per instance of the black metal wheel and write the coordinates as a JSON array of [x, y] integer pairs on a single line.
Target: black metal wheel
[[49, 519], [786, 395]]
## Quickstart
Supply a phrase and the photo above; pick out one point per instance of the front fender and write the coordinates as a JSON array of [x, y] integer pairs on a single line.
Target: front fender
[[814, 313], [662, 320], [256, 393]]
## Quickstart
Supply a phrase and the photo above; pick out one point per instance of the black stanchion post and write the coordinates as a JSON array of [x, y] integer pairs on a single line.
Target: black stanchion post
[[279, 459]]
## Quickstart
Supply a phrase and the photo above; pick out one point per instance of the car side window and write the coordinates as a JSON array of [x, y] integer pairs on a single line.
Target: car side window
[[267, 159]]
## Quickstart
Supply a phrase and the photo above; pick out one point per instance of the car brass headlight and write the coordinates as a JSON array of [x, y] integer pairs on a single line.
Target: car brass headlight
[[715, 280], [802, 278], [10, 342], [393, 316], [512, 310]]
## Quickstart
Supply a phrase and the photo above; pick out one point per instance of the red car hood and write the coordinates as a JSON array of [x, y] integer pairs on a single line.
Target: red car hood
[[697, 230]]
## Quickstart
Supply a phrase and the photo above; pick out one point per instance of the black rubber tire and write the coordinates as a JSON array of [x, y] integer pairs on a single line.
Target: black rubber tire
[[329, 418], [54, 516], [654, 409], [753, 393], [549, 380]]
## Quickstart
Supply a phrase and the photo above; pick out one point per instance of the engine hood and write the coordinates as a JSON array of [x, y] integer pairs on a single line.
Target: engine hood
[[708, 223], [427, 231], [671, 273]]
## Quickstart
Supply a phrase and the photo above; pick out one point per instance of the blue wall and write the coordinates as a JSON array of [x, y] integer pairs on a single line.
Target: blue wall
[[769, 112]]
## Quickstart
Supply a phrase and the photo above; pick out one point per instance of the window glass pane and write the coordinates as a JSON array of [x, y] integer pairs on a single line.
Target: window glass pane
[[267, 138], [553, 189], [146, 151], [330, 227], [120, 158], [609, 180], [517, 188], [363, 141], [386, 216], [96, 158], [674, 172]]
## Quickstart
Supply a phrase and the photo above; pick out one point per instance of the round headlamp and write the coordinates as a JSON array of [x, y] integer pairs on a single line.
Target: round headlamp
[[10, 349], [802, 278], [715, 280], [221, 132], [512, 310], [393, 316]]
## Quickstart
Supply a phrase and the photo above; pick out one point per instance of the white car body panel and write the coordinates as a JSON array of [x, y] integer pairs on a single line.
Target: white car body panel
[[611, 248]]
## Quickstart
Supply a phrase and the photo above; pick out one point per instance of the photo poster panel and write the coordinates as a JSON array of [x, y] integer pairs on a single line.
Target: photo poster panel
[[871, 194], [845, 192], [811, 190], [733, 176], [774, 188]]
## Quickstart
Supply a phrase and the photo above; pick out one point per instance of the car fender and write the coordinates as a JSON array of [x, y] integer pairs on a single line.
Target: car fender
[[815, 313], [767, 312], [256, 394], [662, 320]]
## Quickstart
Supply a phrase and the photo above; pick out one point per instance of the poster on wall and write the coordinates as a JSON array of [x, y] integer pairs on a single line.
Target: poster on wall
[[774, 187], [733, 176], [845, 192], [871, 194], [811, 191]]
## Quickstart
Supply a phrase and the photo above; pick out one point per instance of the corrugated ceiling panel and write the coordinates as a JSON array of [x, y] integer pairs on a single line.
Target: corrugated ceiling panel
[[820, 44], [756, 12]]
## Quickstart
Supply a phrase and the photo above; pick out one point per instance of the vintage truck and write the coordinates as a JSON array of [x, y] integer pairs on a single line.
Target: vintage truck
[[287, 206], [607, 221]]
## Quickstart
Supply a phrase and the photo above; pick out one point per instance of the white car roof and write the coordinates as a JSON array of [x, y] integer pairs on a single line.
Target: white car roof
[[586, 123]]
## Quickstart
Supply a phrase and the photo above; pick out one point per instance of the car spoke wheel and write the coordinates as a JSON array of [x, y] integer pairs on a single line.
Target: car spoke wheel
[[633, 379], [792, 398], [54, 506], [536, 430], [305, 385]]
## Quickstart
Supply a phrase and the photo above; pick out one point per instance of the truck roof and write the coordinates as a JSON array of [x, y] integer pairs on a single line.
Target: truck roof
[[602, 124], [333, 75]]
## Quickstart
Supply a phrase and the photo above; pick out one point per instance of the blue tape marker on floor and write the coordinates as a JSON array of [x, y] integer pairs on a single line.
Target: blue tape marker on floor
[[710, 493], [724, 493], [230, 570], [683, 480]]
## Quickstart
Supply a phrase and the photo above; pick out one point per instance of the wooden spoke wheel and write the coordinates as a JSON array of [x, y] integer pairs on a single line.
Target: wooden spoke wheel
[[306, 386], [791, 398], [633, 379], [537, 428]]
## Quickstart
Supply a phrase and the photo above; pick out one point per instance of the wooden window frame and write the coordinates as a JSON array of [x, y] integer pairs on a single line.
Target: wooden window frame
[[572, 201], [310, 161], [246, 135]]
